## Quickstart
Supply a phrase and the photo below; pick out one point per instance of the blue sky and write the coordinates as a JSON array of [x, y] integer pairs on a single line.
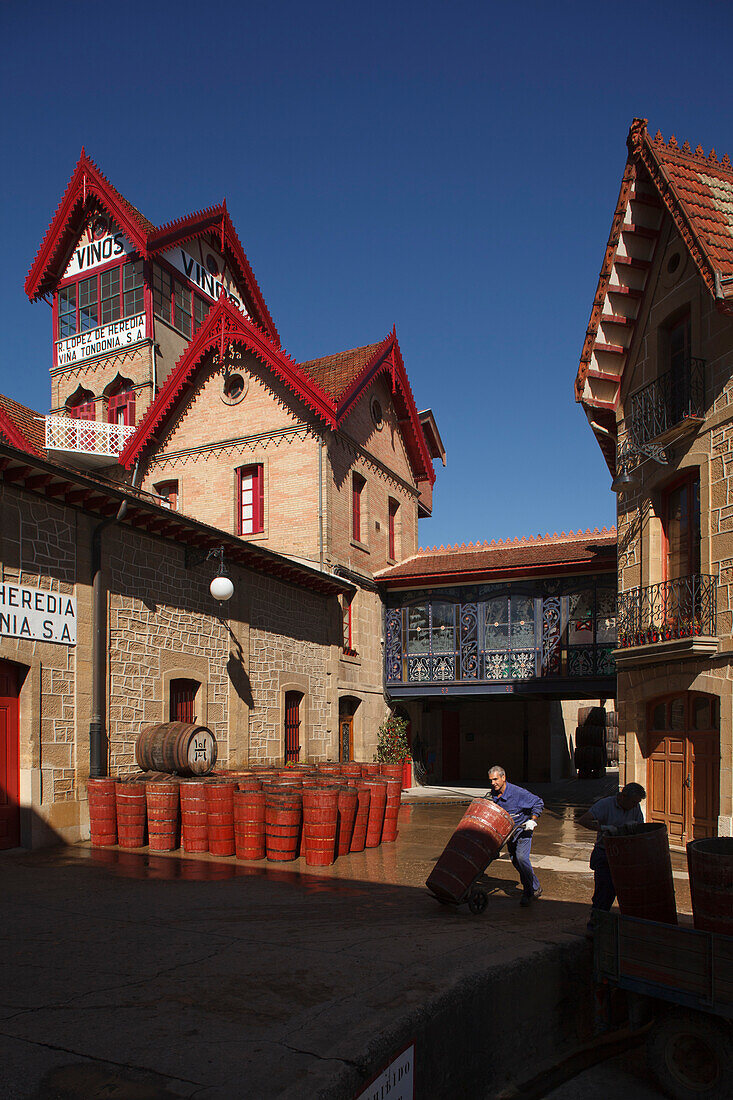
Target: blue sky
[[448, 167]]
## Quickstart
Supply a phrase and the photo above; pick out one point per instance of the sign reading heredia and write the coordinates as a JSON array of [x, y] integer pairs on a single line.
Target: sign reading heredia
[[97, 341], [37, 614]]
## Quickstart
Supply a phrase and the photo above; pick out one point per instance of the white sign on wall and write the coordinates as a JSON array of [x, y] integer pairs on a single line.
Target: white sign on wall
[[397, 1081], [209, 280], [92, 253], [37, 614], [112, 337]]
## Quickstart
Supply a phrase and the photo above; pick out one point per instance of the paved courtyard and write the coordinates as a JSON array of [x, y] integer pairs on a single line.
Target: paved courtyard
[[146, 976]]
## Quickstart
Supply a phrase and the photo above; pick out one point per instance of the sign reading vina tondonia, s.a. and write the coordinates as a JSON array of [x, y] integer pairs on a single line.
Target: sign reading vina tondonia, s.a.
[[112, 337], [36, 614], [396, 1082]]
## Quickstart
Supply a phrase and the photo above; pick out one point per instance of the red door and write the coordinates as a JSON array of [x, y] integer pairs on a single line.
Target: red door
[[451, 746], [9, 758]]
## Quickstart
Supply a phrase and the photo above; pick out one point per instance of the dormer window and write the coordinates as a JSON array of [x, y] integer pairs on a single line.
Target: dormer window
[[100, 299], [176, 303]]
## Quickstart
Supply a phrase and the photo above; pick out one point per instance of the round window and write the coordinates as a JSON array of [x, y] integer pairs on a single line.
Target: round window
[[234, 389], [100, 228]]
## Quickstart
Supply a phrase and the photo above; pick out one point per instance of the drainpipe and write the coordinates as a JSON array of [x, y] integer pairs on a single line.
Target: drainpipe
[[320, 502], [98, 724]]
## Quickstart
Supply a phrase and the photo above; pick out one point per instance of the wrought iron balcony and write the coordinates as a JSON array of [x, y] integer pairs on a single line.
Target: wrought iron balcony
[[674, 400], [680, 609], [93, 442]]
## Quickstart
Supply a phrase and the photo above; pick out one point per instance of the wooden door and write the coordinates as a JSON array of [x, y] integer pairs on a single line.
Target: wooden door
[[451, 746], [683, 765], [9, 758], [292, 725]]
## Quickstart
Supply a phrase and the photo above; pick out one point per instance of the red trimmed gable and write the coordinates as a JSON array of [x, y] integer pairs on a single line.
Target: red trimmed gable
[[22, 427], [696, 191], [89, 188]]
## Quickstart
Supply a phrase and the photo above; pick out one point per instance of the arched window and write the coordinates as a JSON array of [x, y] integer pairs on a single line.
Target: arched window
[[80, 405], [120, 401]]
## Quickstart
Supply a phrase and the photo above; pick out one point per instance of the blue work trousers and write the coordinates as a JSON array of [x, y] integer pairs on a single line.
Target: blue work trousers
[[519, 850], [604, 893]]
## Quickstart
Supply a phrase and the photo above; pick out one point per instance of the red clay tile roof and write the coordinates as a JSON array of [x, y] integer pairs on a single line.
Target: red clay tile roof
[[21, 426], [335, 373], [582, 549]]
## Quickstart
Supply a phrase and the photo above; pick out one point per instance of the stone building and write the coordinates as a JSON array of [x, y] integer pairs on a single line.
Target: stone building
[[491, 648], [656, 381], [180, 427]]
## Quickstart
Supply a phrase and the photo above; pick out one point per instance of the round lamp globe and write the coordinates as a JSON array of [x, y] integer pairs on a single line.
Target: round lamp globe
[[221, 588]]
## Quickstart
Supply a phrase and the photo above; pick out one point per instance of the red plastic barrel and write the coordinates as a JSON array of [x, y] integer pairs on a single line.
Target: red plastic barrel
[[102, 811], [283, 818], [220, 816], [320, 819], [392, 808], [361, 821], [194, 831], [162, 805], [249, 824], [130, 804], [641, 869], [480, 834], [710, 863], [377, 806], [348, 801]]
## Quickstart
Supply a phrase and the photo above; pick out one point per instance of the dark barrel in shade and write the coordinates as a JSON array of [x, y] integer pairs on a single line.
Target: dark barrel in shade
[[641, 869], [710, 863]]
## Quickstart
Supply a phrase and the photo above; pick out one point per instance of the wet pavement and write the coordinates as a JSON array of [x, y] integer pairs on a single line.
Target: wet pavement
[[128, 974]]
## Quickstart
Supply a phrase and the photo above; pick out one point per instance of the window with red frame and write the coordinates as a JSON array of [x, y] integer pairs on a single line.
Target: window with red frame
[[82, 406], [177, 303], [348, 622], [100, 299], [168, 491], [183, 700], [121, 408], [357, 499], [393, 508], [250, 499]]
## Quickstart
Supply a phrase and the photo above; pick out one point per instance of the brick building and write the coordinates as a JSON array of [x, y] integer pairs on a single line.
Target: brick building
[[656, 383], [179, 425]]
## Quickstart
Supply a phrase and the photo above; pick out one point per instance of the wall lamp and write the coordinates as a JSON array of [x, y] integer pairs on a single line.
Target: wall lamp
[[221, 587]]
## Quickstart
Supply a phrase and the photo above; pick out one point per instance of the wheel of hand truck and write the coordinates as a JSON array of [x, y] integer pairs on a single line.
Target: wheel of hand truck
[[691, 1056], [477, 901]]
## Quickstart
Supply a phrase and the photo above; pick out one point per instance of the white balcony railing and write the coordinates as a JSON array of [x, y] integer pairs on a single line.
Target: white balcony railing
[[94, 439]]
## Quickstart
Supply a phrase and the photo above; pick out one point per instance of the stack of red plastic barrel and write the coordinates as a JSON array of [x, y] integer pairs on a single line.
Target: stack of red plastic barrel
[[318, 811]]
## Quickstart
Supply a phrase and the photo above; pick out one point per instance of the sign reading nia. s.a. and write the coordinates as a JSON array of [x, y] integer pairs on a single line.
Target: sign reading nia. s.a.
[[37, 614], [86, 345]]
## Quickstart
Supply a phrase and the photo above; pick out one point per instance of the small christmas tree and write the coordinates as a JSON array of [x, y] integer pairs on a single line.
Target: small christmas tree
[[392, 746]]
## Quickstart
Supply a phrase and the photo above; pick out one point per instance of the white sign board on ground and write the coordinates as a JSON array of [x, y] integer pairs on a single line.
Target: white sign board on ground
[[396, 1082], [37, 614]]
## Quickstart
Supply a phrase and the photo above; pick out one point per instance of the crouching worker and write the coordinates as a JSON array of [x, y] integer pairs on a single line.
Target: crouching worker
[[525, 809], [607, 815]]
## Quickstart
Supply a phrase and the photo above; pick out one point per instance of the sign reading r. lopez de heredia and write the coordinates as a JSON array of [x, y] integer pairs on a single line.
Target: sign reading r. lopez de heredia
[[36, 614], [396, 1081], [115, 335]]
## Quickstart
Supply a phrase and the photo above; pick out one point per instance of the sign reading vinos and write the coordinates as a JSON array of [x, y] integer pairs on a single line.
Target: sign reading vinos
[[37, 614], [97, 341]]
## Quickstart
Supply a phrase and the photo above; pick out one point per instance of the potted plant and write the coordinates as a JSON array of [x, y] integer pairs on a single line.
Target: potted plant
[[393, 748]]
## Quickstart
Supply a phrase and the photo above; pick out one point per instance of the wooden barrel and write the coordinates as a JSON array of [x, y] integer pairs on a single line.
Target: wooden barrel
[[176, 747], [249, 784], [595, 716], [392, 809], [391, 771], [220, 815], [590, 735], [320, 821], [194, 828], [162, 806], [102, 811], [131, 814], [348, 802], [249, 824], [361, 821], [368, 770], [283, 821], [641, 869], [351, 770], [377, 806], [478, 839], [710, 863], [590, 760]]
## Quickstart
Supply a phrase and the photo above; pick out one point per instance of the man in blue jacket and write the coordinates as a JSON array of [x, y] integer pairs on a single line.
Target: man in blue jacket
[[525, 809]]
